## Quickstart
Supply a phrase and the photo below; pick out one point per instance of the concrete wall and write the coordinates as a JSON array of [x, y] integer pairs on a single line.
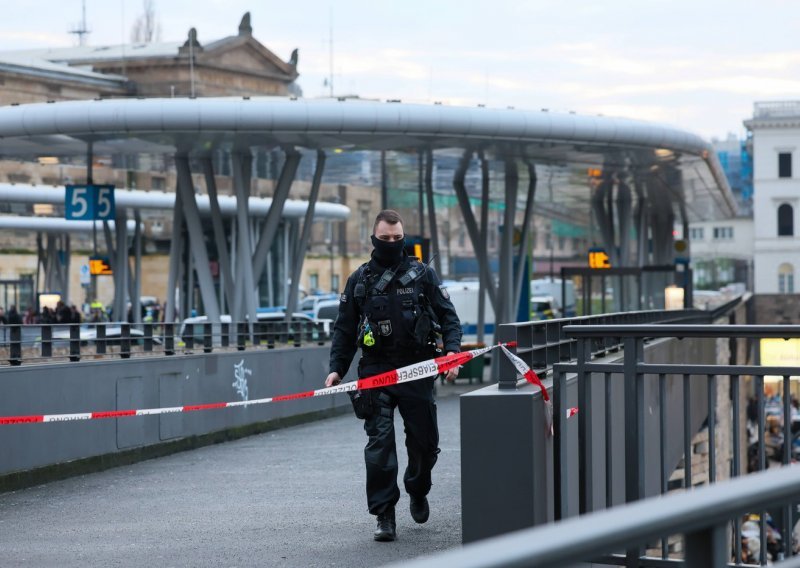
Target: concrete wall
[[150, 383], [507, 455], [777, 309]]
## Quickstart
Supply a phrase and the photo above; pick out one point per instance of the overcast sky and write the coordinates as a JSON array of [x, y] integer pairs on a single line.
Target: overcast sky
[[696, 64]]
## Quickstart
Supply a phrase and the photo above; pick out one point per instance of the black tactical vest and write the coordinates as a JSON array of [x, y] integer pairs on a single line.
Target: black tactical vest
[[392, 312]]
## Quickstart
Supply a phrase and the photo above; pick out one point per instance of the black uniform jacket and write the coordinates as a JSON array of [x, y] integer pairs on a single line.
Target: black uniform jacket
[[346, 329]]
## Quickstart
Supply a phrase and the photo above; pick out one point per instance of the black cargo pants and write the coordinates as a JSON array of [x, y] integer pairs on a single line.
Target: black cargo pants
[[417, 407]]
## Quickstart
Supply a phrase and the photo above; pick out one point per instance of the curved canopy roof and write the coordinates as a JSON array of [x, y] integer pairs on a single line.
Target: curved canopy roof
[[198, 126]]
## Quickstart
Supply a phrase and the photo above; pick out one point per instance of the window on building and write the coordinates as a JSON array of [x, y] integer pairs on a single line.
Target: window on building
[[696, 234], [462, 237], [561, 241], [335, 283], [723, 233], [785, 220], [313, 281], [784, 165], [786, 278]]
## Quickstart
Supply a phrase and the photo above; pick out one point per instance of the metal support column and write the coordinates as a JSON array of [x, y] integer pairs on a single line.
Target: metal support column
[[289, 229], [175, 253], [623, 203], [270, 227], [484, 234], [121, 265], [65, 266], [305, 236], [602, 216], [40, 259], [505, 296], [474, 232], [640, 214], [421, 193], [89, 181], [384, 182], [434, 227], [219, 236], [244, 299], [136, 285], [525, 241], [197, 241]]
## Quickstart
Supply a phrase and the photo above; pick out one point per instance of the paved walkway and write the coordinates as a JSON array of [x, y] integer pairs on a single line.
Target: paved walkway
[[291, 497]]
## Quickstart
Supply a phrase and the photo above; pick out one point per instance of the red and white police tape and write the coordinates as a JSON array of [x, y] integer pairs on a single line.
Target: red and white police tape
[[414, 372]]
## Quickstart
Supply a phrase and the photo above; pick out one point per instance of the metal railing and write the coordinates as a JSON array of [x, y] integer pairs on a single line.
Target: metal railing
[[639, 422], [701, 515], [26, 344], [634, 372], [542, 344], [776, 109]]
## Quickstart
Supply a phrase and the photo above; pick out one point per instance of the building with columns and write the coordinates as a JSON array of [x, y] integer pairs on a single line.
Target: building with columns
[[230, 66]]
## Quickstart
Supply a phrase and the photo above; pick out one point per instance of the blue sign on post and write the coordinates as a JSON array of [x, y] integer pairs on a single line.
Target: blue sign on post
[[89, 203]]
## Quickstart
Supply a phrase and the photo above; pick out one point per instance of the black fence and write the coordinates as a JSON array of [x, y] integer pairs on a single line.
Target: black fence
[[776, 443], [26, 344]]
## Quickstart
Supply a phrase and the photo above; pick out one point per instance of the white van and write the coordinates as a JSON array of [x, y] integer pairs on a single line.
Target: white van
[[545, 304]]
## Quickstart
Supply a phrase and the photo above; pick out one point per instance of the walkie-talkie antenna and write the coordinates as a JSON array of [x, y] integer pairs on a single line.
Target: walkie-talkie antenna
[[426, 265]]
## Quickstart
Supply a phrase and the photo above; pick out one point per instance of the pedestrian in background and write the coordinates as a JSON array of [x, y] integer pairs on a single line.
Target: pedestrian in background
[[13, 316], [392, 308]]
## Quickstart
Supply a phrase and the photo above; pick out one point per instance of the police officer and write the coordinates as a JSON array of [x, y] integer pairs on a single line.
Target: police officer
[[393, 308]]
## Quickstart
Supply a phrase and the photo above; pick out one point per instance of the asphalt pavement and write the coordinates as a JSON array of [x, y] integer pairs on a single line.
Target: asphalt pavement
[[286, 498]]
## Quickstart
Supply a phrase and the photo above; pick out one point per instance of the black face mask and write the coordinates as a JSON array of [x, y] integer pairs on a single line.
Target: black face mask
[[388, 253]]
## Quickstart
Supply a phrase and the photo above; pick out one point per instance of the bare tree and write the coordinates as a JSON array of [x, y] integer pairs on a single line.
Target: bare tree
[[146, 29]]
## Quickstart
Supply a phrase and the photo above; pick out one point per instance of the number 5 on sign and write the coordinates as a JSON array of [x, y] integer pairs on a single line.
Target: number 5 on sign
[[105, 202], [77, 203], [89, 202]]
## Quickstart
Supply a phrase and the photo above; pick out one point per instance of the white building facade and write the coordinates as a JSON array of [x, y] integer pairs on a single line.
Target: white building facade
[[721, 252], [775, 129]]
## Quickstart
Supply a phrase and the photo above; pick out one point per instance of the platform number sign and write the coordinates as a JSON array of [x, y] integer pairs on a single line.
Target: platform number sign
[[89, 203]]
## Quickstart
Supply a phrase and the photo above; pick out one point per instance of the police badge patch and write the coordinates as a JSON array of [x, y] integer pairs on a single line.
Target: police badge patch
[[386, 327], [445, 293], [343, 298]]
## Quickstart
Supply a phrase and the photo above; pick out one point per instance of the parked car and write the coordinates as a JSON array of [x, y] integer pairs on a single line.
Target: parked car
[[327, 310], [113, 334], [309, 304], [195, 325]]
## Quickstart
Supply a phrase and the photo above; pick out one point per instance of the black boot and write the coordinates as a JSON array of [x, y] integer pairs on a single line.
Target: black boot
[[387, 528], [419, 509]]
